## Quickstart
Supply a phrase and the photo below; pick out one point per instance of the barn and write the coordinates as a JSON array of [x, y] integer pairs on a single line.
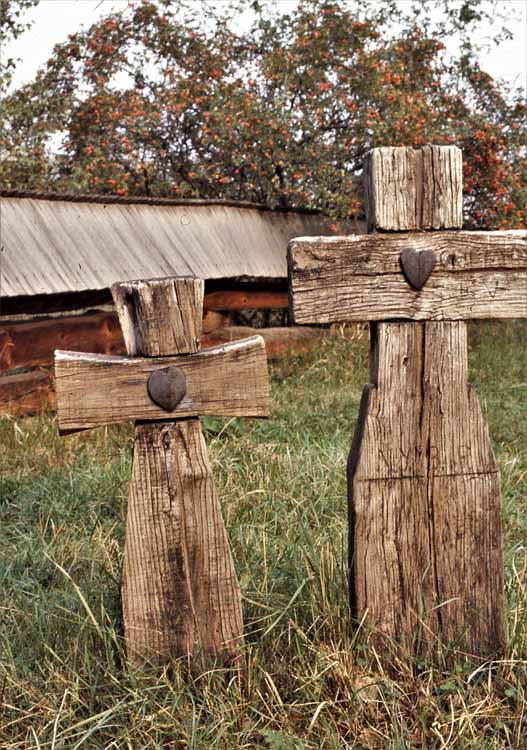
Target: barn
[[60, 254]]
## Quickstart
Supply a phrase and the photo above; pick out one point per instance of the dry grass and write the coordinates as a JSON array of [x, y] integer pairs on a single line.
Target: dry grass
[[312, 681]]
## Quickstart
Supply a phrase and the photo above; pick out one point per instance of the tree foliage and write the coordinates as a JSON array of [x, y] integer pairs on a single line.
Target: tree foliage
[[161, 100], [12, 24]]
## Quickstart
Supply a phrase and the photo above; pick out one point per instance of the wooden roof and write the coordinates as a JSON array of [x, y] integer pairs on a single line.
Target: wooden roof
[[53, 245]]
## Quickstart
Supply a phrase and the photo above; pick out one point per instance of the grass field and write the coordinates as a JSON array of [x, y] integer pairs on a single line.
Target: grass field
[[311, 680]]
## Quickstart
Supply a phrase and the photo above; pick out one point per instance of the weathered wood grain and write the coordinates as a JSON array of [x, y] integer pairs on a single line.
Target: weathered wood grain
[[26, 393], [250, 300], [180, 593], [279, 341], [425, 497], [410, 188], [97, 389], [160, 316], [69, 247], [477, 275], [426, 559], [30, 343], [390, 557], [464, 498]]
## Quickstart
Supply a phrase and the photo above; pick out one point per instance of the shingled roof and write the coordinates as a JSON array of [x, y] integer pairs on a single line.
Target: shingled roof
[[56, 244]]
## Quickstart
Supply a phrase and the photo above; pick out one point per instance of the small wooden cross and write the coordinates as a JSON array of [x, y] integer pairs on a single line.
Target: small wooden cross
[[426, 551], [180, 595]]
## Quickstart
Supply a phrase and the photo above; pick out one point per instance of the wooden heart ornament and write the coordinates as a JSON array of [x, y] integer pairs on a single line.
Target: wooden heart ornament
[[167, 387], [417, 266]]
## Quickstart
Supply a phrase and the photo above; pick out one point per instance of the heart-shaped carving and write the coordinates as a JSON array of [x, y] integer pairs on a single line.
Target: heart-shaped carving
[[167, 387], [417, 266]]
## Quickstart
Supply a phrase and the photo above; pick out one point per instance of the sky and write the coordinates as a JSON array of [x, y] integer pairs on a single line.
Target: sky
[[53, 20]]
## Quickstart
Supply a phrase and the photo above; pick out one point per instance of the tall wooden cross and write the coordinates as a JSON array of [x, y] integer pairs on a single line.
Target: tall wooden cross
[[426, 558], [180, 595]]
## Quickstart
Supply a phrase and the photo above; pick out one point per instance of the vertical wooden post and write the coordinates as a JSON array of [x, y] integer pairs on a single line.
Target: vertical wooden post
[[180, 594], [426, 558]]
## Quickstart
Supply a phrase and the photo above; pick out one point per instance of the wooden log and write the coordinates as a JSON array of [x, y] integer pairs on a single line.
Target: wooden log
[[477, 275], [142, 306], [426, 554], [250, 300], [279, 341], [410, 188], [26, 393], [180, 593], [212, 321], [96, 389], [32, 343]]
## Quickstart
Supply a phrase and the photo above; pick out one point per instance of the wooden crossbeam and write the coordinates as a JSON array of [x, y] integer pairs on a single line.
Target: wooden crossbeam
[[477, 275], [97, 389]]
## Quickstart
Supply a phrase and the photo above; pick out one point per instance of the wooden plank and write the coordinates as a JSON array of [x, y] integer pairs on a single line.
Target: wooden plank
[[31, 343], [279, 341], [240, 300], [180, 593], [97, 389], [424, 496], [143, 308], [34, 392], [61, 246], [410, 188], [477, 275]]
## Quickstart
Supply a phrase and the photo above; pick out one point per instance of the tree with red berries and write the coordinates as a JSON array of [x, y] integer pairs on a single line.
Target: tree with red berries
[[157, 100]]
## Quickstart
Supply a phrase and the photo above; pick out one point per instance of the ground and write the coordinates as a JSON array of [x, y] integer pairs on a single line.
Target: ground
[[310, 681]]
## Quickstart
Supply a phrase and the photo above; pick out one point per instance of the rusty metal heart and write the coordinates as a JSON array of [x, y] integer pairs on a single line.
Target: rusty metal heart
[[417, 266], [167, 387]]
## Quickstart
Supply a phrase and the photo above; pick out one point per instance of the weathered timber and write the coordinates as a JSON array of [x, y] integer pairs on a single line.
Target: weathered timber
[[31, 343], [97, 389], [34, 392], [410, 188], [26, 393], [250, 300], [180, 593], [426, 560], [476, 275], [141, 307], [426, 554], [279, 341]]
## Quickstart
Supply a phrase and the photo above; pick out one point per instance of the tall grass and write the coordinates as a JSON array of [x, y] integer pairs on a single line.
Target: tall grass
[[311, 680]]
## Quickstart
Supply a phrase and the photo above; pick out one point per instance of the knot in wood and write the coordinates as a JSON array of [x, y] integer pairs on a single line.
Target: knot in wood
[[167, 387], [417, 266]]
